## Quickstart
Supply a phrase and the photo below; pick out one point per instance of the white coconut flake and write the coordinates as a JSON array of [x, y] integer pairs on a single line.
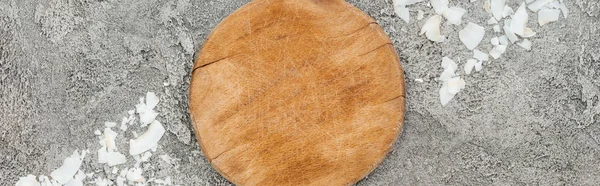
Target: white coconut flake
[[431, 29], [546, 16], [420, 15], [479, 66], [535, 6], [97, 132], [403, 13], [447, 62], [447, 74], [109, 139], [492, 21], [115, 158], [481, 56], [495, 41], [497, 7], [564, 10], [507, 11], [454, 15], [497, 28], [147, 117], [528, 32], [526, 44], [102, 155], [147, 140], [471, 35], [135, 175], [497, 51], [469, 65], [68, 169], [503, 40], [519, 20], [439, 6], [29, 180], [455, 85], [445, 96], [510, 35]]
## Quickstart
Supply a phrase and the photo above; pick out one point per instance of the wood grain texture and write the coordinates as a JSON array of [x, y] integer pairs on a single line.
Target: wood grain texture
[[297, 92]]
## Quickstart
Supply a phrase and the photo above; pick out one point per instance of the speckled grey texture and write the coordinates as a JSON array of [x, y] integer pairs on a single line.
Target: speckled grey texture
[[529, 118]]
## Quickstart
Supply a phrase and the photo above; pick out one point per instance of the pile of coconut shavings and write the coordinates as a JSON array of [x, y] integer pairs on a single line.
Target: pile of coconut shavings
[[510, 25], [140, 149]]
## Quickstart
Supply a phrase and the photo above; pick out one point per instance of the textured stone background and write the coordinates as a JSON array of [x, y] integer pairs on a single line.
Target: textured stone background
[[529, 118]]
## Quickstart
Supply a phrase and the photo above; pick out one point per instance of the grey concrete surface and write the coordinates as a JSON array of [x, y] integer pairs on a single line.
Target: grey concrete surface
[[529, 118]]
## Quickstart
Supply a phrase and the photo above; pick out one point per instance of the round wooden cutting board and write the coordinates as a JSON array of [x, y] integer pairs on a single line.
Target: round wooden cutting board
[[297, 92]]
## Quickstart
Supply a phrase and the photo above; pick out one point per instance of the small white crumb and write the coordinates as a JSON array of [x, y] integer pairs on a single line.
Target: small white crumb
[[471, 35], [497, 51], [110, 124], [103, 182], [419, 80], [115, 170], [420, 15], [526, 44], [97, 132], [486, 6], [90, 175], [131, 112], [146, 156], [528, 33], [135, 134], [546, 16], [169, 159], [166, 84], [447, 62]]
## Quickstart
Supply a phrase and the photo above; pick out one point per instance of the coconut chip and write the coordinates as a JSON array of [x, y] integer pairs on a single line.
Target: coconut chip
[[526, 44], [454, 15], [495, 41], [147, 140], [497, 7], [29, 180], [503, 40], [519, 20], [510, 35], [469, 65], [431, 29], [135, 175], [497, 51], [507, 11], [439, 6], [546, 16], [537, 5], [479, 66], [68, 169], [471, 35], [403, 13], [481, 56]]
